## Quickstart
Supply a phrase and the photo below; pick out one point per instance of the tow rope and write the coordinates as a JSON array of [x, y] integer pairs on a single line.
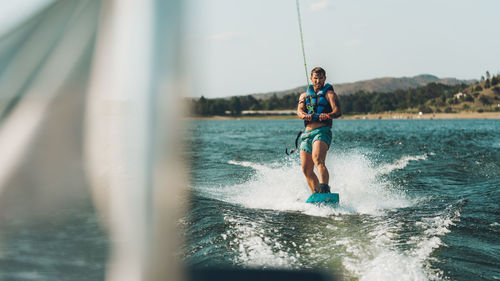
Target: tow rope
[[305, 69], [302, 41], [303, 49], [296, 144], [307, 78]]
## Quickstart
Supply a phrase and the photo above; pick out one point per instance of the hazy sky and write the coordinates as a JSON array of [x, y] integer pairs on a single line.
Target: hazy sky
[[250, 46]]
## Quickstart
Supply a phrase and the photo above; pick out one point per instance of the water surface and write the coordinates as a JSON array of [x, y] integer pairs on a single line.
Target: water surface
[[419, 199]]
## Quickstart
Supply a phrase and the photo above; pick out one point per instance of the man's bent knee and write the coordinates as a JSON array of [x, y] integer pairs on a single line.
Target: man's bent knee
[[318, 162]]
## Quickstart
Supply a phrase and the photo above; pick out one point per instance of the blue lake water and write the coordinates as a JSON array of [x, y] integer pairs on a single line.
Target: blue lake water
[[419, 199]]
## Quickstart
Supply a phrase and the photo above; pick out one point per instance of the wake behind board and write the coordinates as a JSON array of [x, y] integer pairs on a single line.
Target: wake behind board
[[324, 198]]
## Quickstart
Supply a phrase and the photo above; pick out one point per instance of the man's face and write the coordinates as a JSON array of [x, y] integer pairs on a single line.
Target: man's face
[[318, 80]]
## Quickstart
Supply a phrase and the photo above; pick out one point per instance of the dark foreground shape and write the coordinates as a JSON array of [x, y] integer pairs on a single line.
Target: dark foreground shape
[[230, 274], [324, 198]]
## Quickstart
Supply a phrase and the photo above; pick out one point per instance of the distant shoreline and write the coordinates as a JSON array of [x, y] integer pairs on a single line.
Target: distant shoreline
[[381, 116]]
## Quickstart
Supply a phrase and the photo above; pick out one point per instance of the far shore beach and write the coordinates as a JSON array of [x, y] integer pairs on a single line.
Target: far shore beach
[[382, 116]]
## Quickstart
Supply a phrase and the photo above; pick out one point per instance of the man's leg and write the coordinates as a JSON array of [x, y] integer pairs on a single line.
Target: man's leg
[[319, 150], [308, 170]]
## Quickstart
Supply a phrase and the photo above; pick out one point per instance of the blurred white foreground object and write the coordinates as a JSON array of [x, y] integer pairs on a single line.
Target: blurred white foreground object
[[87, 98], [131, 159]]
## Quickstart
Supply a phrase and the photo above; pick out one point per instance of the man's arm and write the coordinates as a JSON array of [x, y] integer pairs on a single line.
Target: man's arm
[[300, 108], [333, 99]]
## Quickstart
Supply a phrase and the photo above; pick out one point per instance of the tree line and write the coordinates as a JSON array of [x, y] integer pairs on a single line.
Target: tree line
[[434, 94], [234, 105], [421, 98]]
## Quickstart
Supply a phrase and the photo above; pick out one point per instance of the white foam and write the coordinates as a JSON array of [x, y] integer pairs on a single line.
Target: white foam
[[362, 189], [255, 248], [391, 265], [382, 260], [400, 164], [282, 186], [434, 228], [247, 164], [379, 259]]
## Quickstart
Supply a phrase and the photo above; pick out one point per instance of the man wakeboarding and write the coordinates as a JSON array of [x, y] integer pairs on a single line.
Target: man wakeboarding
[[317, 107]]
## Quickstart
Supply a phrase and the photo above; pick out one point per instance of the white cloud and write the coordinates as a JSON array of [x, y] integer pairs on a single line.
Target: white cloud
[[225, 35], [320, 5]]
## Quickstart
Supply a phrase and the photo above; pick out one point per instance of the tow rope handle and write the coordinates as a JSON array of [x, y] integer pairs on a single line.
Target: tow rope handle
[[315, 117]]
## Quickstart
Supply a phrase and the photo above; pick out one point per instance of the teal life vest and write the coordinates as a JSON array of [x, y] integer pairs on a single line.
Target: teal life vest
[[316, 103]]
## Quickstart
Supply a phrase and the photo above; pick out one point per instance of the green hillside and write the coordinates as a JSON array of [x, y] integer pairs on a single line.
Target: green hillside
[[385, 84], [434, 97], [482, 96]]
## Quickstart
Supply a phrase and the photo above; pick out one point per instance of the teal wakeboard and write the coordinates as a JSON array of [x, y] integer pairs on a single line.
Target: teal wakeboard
[[324, 198]]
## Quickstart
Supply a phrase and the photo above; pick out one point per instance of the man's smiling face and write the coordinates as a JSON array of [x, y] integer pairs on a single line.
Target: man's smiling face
[[318, 80]]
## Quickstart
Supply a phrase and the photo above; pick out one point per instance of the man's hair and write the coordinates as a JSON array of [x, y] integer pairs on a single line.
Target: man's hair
[[318, 70]]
